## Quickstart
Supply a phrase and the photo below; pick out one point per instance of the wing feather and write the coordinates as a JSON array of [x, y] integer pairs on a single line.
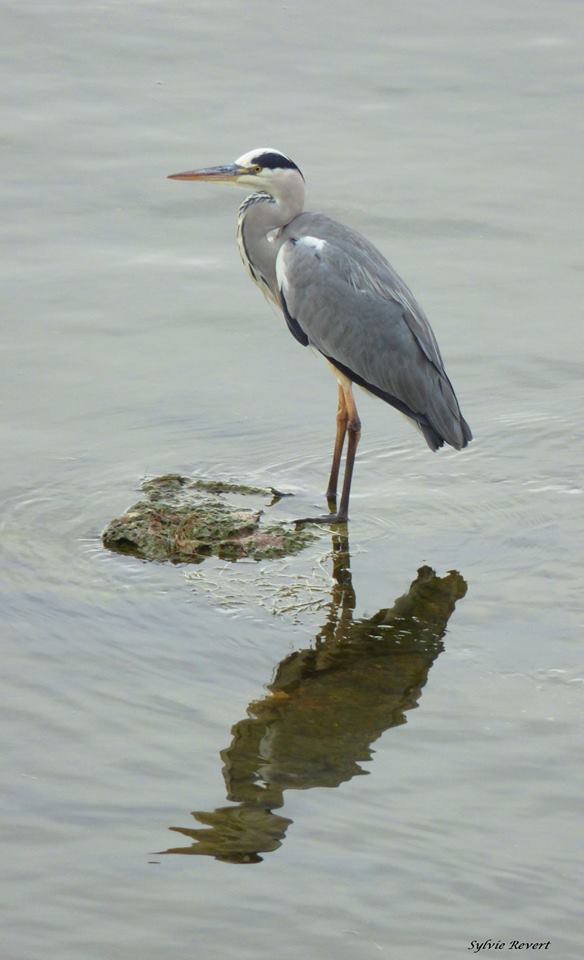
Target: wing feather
[[366, 322]]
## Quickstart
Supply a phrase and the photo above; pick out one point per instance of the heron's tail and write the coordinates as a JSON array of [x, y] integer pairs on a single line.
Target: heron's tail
[[457, 440], [466, 431]]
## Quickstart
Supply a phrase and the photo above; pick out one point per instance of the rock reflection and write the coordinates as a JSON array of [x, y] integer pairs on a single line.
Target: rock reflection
[[327, 704]]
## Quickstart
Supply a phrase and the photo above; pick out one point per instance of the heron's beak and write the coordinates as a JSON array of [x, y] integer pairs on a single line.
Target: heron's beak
[[229, 172]]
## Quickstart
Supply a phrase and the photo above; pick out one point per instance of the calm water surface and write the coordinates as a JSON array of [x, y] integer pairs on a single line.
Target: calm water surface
[[256, 696]]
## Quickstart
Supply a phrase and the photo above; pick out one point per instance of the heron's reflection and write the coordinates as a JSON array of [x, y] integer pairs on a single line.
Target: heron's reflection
[[327, 704]]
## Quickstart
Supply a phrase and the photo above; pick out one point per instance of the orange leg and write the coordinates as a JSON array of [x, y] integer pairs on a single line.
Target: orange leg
[[354, 429], [342, 420], [347, 422]]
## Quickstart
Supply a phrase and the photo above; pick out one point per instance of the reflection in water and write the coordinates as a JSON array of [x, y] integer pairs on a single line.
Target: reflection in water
[[327, 705]]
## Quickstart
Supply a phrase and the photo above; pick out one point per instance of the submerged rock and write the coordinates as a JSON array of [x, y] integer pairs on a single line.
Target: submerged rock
[[185, 520]]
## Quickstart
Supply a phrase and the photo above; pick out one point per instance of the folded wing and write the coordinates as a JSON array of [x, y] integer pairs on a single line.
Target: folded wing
[[342, 297]]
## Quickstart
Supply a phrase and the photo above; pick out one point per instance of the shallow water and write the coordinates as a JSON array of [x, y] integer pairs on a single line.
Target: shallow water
[[134, 345]]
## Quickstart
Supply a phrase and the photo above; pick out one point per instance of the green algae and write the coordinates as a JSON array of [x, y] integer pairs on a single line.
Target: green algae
[[185, 520], [172, 483]]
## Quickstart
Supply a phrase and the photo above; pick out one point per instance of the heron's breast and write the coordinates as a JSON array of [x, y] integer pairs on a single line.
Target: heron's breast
[[253, 269]]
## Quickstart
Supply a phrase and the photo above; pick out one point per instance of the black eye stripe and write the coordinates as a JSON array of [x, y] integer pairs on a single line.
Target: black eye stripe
[[275, 161]]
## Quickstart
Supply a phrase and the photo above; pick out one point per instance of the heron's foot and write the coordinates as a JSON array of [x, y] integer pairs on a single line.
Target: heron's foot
[[326, 518]]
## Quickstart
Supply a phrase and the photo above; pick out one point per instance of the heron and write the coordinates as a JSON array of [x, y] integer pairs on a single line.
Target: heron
[[339, 295]]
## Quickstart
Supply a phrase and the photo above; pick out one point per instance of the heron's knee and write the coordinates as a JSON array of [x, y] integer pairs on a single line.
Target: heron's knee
[[354, 425]]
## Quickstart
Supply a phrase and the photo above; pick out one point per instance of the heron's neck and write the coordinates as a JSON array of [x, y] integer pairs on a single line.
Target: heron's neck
[[260, 219], [267, 212]]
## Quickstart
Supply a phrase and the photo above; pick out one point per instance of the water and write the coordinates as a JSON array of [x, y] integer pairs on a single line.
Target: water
[[134, 344]]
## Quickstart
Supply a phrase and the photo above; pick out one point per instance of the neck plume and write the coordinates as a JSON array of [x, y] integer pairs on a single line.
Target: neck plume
[[258, 226]]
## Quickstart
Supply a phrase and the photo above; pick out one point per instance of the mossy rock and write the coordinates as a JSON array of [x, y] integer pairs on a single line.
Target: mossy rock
[[185, 520]]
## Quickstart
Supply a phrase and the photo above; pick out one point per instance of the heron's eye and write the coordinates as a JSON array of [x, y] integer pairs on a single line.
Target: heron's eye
[[256, 168]]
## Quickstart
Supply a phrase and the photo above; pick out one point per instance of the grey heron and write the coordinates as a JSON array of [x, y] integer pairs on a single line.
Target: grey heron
[[339, 295]]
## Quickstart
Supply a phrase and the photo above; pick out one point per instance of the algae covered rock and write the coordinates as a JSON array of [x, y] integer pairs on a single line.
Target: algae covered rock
[[185, 520]]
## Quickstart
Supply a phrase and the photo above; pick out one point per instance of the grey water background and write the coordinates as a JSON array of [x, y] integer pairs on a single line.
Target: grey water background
[[133, 345]]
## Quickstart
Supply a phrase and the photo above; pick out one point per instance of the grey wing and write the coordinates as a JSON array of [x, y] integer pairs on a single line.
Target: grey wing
[[370, 328], [369, 270]]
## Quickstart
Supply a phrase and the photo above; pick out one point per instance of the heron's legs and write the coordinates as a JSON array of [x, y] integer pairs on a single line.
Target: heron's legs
[[347, 422], [354, 430], [342, 420]]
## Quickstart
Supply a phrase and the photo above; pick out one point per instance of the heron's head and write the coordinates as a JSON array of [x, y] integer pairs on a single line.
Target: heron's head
[[264, 170]]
